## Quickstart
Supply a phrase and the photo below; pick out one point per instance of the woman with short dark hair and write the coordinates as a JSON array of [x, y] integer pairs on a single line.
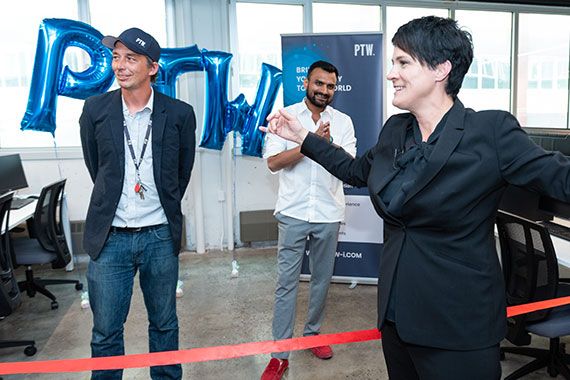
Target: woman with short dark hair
[[436, 177]]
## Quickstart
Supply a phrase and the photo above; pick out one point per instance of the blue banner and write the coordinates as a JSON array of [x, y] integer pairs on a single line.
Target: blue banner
[[358, 58]]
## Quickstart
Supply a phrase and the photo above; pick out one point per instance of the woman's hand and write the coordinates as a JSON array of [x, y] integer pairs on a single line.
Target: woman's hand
[[286, 126]]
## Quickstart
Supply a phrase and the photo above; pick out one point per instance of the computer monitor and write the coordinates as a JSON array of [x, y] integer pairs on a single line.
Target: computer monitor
[[12, 175]]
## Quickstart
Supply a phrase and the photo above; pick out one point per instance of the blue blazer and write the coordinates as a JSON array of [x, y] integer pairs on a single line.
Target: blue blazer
[[439, 260], [102, 139]]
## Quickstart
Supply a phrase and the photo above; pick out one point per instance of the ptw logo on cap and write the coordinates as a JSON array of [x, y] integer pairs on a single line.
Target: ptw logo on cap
[[136, 40]]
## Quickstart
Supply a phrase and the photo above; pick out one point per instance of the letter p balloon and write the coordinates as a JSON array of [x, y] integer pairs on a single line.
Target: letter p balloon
[[50, 78]]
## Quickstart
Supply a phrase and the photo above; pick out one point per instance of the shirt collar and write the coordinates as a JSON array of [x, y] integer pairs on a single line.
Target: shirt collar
[[328, 109], [436, 132], [148, 105]]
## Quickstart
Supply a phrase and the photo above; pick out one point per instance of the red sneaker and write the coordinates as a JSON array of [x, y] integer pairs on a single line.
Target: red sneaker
[[322, 352], [275, 369]]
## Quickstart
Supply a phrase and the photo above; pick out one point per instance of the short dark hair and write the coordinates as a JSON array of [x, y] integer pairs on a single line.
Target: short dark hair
[[433, 40], [327, 66], [149, 63]]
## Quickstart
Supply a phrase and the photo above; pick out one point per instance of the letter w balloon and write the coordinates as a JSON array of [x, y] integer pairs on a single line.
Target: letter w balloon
[[50, 78], [222, 116]]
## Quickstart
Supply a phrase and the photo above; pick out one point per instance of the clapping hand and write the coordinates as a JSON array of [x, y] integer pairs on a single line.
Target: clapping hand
[[286, 126], [324, 130]]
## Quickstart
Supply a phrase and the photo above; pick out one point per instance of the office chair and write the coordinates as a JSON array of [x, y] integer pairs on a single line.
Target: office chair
[[530, 270], [47, 243], [10, 297]]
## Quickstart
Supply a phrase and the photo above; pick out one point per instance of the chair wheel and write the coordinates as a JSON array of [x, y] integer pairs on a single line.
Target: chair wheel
[[54, 305], [30, 350], [502, 357], [79, 286]]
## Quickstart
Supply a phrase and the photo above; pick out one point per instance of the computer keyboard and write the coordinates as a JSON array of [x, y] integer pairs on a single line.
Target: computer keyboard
[[18, 203]]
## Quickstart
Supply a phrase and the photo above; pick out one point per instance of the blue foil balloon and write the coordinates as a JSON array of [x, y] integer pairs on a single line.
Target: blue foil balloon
[[217, 67], [50, 78], [271, 79], [174, 62], [236, 114], [222, 116]]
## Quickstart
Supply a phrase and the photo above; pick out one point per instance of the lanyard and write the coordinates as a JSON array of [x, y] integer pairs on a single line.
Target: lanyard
[[130, 144]]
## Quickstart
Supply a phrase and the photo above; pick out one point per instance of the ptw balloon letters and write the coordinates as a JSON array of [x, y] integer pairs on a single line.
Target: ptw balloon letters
[[51, 79]]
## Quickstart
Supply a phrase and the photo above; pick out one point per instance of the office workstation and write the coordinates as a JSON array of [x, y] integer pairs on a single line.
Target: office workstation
[[75, 183], [37, 217], [14, 179]]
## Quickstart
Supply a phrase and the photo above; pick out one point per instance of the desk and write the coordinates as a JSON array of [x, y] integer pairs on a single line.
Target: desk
[[21, 215], [561, 246]]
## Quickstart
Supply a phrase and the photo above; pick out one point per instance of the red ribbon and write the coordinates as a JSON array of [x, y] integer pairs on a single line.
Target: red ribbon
[[224, 352], [187, 356], [513, 311]]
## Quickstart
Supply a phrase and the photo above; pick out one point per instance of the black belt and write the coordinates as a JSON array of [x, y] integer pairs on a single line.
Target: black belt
[[135, 229]]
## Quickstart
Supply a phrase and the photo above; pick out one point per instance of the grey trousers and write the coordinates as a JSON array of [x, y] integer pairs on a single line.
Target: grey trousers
[[293, 235]]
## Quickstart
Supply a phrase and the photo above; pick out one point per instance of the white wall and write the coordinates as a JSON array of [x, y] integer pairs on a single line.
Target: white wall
[[252, 187], [44, 168]]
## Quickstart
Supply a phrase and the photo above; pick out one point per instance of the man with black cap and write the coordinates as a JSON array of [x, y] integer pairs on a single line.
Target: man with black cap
[[138, 145]]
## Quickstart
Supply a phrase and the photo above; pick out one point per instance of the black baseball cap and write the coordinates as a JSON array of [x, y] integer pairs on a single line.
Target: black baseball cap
[[138, 41]]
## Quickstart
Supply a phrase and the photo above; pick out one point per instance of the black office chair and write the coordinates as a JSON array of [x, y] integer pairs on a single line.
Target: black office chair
[[47, 243], [10, 297], [531, 274]]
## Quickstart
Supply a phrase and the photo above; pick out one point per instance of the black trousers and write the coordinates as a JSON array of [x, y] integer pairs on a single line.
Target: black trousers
[[412, 362]]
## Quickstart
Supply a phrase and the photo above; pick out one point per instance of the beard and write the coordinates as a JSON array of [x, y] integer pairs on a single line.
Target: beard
[[318, 102]]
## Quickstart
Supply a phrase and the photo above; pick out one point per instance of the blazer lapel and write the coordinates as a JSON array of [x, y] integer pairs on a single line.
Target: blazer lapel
[[158, 125], [446, 144], [116, 126], [383, 212], [398, 139]]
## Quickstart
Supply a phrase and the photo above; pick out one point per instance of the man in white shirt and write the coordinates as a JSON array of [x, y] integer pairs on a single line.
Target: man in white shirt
[[310, 204]]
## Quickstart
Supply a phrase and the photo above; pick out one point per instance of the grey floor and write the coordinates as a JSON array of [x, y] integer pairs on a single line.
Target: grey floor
[[215, 310]]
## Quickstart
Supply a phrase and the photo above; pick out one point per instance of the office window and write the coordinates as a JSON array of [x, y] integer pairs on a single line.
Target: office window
[[562, 75], [396, 17], [544, 44], [488, 81], [16, 67], [329, 18], [150, 16], [111, 17], [259, 28]]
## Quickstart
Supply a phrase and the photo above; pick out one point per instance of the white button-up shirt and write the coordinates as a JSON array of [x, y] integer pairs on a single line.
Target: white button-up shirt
[[132, 211], [306, 190]]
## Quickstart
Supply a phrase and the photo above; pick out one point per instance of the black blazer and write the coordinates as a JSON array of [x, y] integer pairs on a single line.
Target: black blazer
[[439, 258], [102, 138]]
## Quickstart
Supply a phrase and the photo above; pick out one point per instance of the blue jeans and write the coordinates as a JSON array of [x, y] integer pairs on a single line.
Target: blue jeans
[[110, 280]]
